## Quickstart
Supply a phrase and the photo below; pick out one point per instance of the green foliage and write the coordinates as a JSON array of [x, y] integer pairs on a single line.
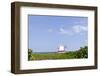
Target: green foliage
[[29, 54], [81, 53]]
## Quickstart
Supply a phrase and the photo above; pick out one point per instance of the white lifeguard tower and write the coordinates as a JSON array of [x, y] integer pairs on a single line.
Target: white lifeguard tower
[[61, 49]]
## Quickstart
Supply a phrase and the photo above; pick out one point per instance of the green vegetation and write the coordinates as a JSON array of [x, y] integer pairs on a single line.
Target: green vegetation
[[29, 54], [81, 53]]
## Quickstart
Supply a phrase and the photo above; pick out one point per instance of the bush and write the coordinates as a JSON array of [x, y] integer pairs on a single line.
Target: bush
[[82, 52], [29, 54]]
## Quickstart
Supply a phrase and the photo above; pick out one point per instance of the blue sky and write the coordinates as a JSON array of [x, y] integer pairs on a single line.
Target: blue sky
[[47, 33]]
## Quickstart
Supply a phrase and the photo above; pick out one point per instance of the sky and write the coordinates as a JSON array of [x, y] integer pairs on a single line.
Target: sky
[[47, 33]]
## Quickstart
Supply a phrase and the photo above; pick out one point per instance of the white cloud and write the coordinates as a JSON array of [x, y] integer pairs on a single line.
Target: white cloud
[[79, 28], [65, 31], [74, 30]]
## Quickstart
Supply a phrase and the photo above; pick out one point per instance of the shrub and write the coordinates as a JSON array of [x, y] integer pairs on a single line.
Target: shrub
[[29, 54], [82, 52]]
